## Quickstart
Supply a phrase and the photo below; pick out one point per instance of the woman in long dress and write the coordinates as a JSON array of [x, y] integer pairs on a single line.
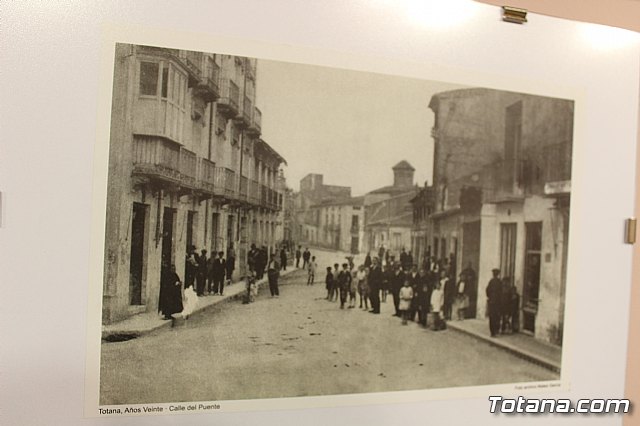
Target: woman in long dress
[[170, 293]]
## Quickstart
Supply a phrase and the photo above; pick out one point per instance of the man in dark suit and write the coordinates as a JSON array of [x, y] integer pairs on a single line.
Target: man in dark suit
[[201, 272], [217, 273], [396, 282], [375, 284], [494, 294], [306, 256]]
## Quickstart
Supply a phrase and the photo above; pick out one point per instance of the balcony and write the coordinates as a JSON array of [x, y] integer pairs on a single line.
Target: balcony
[[188, 161], [229, 183], [557, 158], [255, 128], [254, 192], [243, 192], [207, 176], [163, 162], [156, 159], [229, 102], [193, 63], [208, 88], [244, 119], [264, 191]]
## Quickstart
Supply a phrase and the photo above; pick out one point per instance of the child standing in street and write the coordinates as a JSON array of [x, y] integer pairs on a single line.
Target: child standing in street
[[437, 303], [311, 268], [353, 286], [406, 296], [329, 283]]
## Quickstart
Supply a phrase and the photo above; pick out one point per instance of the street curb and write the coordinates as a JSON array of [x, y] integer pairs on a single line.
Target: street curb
[[496, 342], [115, 335]]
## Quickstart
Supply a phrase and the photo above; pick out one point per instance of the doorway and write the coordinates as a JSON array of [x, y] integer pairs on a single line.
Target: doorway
[[531, 290], [168, 225], [136, 260]]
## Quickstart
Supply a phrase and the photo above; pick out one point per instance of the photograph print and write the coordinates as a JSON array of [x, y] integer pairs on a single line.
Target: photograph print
[[283, 230]]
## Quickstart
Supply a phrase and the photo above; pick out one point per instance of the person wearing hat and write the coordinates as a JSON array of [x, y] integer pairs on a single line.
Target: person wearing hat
[[201, 272], [375, 284], [494, 296]]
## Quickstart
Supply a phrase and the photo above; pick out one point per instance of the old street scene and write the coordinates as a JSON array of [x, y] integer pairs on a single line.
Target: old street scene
[[284, 230]]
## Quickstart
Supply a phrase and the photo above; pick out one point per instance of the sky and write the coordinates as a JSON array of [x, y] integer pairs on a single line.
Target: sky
[[350, 126]]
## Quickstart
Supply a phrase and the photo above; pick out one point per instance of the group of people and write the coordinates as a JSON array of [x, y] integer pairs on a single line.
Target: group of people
[[503, 304], [209, 274], [416, 292], [203, 276], [259, 259]]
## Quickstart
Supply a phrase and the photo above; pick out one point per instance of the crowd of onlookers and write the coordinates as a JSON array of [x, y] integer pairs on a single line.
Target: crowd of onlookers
[[427, 294]]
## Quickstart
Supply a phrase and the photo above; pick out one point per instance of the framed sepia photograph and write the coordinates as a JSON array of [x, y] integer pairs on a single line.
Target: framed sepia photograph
[[363, 212], [308, 234]]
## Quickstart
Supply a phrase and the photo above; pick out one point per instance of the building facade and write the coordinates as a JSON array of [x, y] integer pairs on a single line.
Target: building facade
[[313, 192], [338, 224], [421, 231], [389, 212], [502, 178], [187, 167]]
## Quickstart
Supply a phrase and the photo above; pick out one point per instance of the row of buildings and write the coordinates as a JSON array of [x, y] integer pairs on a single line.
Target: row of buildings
[[328, 216], [499, 199], [187, 167]]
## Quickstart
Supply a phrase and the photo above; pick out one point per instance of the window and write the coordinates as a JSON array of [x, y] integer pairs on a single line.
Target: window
[[148, 78], [165, 81]]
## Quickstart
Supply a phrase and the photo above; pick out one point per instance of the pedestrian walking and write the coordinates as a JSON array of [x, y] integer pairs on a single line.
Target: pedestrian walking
[[311, 270], [494, 296], [367, 260], [273, 273], [406, 296]]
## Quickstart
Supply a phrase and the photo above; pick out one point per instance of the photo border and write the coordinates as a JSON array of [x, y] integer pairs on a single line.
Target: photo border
[[312, 56]]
